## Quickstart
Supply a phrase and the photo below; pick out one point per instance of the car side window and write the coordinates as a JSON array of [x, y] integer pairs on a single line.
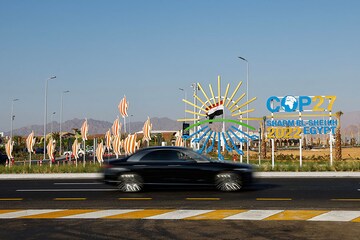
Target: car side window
[[163, 155]]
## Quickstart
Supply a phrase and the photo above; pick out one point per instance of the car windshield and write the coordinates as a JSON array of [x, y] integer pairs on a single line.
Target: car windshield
[[198, 157]]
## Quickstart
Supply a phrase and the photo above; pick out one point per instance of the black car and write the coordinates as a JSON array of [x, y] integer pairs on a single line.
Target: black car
[[174, 166], [3, 159]]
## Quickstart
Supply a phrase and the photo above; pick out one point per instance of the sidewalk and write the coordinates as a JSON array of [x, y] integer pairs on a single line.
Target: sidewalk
[[37, 176]]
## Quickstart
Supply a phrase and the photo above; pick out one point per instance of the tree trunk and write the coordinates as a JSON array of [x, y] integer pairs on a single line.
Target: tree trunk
[[338, 152]]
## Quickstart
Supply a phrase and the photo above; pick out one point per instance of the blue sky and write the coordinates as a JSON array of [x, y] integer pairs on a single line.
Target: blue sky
[[147, 50]]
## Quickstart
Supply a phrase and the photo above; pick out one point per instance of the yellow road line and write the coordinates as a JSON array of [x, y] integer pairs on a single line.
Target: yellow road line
[[346, 199], [59, 214], [273, 199], [215, 215], [11, 199], [135, 198], [69, 199], [356, 219], [9, 211], [203, 199], [139, 214], [295, 215]]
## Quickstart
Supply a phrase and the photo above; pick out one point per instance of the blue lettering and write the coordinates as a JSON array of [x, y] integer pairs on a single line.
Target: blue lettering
[[270, 104], [312, 130], [304, 101], [306, 130]]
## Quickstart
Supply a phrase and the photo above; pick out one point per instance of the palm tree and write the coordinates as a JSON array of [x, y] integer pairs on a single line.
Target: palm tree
[[263, 142], [338, 152]]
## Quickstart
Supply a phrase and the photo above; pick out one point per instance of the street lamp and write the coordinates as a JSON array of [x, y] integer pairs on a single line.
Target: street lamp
[[61, 112], [130, 123], [52, 120], [247, 105], [185, 96], [12, 116], [45, 112], [195, 88]]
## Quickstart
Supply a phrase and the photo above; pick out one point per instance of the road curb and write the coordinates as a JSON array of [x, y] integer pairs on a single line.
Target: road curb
[[307, 174], [36, 176]]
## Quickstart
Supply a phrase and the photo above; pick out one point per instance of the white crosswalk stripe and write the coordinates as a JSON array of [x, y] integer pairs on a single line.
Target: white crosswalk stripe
[[179, 214], [253, 215], [26, 213], [101, 214], [338, 216]]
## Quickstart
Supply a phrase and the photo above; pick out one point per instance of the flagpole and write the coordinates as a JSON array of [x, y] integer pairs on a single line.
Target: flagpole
[[84, 153]]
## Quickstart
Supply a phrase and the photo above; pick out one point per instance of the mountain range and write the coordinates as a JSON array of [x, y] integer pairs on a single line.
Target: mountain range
[[96, 126], [350, 124]]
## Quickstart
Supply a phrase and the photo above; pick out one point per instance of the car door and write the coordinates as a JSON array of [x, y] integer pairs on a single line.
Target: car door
[[157, 167]]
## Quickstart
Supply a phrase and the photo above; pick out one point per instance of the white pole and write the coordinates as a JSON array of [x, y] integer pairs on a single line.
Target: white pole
[[52, 120], [61, 112], [272, 153], [300, 150], [45, 113], [94, 148], [259, 145], [124, 125], [331, 142], [247, 105], [300, 147], [84, 153], [12, 116]]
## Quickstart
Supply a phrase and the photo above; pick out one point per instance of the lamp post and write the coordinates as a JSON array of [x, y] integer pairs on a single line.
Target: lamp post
[[12, 116], [61, 112], [45, 112], [185, 96], [130, 123], [247, 105], [52, 120], [195, 88]]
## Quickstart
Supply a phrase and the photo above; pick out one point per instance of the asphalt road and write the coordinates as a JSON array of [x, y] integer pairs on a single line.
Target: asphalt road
[[296, 194], [292, 193]]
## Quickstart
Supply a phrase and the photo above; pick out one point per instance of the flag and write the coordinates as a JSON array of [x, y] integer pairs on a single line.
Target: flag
[[108, 140], [130, 145], [30, 141], [84, 130], [75, 149], [147, 130], [123, 106], [116, 127], [117, 145], [215, 110], [50, 149], [100, 152], [9, 148], [179, 141]]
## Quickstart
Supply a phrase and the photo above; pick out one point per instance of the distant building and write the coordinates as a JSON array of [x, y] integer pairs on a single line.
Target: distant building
[[1, 134]]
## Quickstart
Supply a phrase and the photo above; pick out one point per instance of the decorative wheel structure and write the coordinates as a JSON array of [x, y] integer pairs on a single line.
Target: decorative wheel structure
[[228, 182], [219, 119], [130, 182]]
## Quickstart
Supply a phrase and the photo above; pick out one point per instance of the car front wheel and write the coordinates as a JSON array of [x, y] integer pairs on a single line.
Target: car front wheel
[[228, 182], [130, 182]]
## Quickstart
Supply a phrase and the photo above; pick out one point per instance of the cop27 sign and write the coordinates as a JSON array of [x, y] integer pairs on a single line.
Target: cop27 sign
[[300, 104], [282, 128]]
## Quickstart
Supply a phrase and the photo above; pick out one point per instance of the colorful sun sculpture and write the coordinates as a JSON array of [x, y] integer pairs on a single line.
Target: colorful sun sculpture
[[219, 119]]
